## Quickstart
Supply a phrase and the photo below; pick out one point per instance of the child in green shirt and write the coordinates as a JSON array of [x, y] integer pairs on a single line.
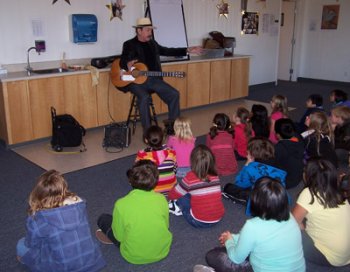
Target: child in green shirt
[[140, 221]]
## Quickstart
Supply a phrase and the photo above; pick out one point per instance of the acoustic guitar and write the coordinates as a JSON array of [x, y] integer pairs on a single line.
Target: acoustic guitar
[[138, 74]]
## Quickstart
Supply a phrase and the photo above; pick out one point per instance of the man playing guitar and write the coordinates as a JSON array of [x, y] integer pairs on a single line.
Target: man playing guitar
[[142, 48]]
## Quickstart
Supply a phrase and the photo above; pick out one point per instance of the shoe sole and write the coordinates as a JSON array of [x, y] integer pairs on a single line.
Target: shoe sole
[[233, 199], [102, 237]]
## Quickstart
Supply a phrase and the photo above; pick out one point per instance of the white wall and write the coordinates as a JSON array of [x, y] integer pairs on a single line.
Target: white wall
[[323, 54]]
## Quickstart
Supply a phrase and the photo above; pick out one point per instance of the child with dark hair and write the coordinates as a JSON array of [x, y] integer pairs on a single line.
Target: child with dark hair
[[260, 162], [163, 156], [220, 141], [313, 103], [260, 121], [198, 195], [340, 119], [243, 132], [270, 241], [339, 98], [58, 232], [326, 233], [279, 110], [289, 151], [140, 222]]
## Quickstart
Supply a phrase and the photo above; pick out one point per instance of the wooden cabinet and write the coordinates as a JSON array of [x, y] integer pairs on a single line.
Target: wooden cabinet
[[198, 84], [25, 104], [111, 102], [16, 123], [220, 80], [239, 77]]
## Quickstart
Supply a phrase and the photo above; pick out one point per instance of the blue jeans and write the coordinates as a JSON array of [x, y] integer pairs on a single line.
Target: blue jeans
[[21, 248], [184, 204], [182, 171]]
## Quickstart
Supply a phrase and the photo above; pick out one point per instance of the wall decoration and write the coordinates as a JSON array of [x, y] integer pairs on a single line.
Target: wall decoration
[[223, 8], [330, 15], [54, 1], [116, 8], [250, 23]]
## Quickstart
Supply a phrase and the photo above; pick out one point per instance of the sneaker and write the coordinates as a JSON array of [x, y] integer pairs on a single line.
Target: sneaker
[[202, 268], [102, 237], [174, 209], [234, 199]]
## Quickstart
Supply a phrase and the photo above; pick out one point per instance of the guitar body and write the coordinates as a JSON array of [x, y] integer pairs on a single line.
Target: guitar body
[[117, 73], [121, 78]]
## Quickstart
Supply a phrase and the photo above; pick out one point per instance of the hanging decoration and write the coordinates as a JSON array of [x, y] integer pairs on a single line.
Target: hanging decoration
[[54, 1], [223, 8], [116, 8]]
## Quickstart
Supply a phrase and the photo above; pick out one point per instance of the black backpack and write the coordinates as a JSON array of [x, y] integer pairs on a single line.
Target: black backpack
[[66, 131]]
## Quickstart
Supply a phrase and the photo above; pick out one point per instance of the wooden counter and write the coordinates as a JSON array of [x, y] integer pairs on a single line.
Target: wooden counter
[[25, 101]]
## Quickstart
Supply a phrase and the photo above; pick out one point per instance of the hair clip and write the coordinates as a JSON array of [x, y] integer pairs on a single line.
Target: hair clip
[[215, 125]]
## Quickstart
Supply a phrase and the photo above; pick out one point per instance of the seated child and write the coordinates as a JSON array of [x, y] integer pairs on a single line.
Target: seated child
[[318, 138], [270, 241], [325, 232], [140, 221], [183, 143], [58, 232], [198, 195], [163, 156], [313, 103], [279, 110], [220, 141], [340, 118], [243, 132], [339, 98], [260, 121], [260, 163], [289, 152]]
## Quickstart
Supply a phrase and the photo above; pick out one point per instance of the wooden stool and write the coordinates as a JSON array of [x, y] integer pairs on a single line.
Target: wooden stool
[[134, 112]]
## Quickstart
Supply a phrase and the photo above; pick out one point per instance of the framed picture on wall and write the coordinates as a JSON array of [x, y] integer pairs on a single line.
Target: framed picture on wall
[[330, 15], [250, 23]]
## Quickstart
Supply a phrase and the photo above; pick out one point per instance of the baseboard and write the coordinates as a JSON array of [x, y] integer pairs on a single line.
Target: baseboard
[[261, 86], [325, 82]]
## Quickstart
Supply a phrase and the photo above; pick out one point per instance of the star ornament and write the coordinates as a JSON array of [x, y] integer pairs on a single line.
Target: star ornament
[[223, 9], [116, 8], [54, 1]]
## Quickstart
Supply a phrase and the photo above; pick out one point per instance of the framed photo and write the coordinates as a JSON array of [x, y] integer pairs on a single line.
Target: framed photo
[[330, 15], [250, 23]]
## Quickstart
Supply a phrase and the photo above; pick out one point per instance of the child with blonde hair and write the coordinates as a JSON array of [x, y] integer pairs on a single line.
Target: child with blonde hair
[[58, 233], [279, 110], [243, 132], [221, 142], [319, 139], [183, 143]]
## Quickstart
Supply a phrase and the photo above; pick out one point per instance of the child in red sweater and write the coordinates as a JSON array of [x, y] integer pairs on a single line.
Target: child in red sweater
[[243, 132], [198, 195], [220, 141]]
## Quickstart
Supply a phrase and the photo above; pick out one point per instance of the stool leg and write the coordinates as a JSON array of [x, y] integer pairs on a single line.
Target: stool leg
[[153, 115]]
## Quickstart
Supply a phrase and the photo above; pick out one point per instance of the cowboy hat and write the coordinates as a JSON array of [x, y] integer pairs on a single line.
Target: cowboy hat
[[142, 22]]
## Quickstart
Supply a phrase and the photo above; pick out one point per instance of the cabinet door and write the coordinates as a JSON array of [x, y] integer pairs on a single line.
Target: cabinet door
[[198, 82], [43, 94], [239, 77], [220, 80], [179, 83], [17, 110], [80, 99], [111, 101]]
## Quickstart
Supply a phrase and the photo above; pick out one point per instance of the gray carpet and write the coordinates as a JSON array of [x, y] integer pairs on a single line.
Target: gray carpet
[[103, 184]]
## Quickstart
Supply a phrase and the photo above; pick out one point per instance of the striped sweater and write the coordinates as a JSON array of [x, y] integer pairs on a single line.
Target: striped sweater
[[165, 159], [206, 201]]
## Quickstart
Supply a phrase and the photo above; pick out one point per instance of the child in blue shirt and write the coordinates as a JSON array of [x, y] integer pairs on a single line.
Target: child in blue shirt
[[270, 241], [260, 163]]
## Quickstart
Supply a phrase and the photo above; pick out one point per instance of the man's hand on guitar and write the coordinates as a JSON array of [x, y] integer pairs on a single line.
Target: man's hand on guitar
[[131, 64]]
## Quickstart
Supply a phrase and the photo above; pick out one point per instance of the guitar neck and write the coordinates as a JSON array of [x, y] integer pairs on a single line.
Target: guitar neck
[[157, 74]]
